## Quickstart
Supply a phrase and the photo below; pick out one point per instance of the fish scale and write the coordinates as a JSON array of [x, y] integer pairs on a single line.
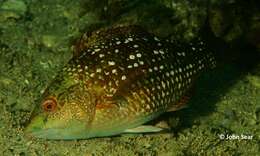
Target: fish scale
[[128, 77]]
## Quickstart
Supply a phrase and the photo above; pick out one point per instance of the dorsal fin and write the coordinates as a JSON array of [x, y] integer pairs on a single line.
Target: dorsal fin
[[93, 37]]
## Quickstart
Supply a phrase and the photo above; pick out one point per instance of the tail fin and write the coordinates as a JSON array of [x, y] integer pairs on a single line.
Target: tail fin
[[205, 55]]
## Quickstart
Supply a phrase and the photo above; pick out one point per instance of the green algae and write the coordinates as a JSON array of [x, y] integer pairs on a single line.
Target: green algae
[[12, 9], [35, 44]]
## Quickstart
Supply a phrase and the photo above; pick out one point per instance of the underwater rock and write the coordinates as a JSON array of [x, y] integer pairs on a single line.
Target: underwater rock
[[233, 21], [15, 5], [12, 9], [4, 15], [181, 18]]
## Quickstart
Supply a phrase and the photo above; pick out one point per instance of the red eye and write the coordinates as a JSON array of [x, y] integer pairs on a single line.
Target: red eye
[[49, 105]]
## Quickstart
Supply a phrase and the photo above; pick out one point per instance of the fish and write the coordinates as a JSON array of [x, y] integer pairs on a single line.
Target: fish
[[118, 79]]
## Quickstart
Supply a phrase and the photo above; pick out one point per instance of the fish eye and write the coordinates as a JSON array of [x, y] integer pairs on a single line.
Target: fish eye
[[49, 105]]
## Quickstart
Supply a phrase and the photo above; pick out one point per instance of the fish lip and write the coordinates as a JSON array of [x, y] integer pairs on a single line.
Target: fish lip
[[32, 131], [41, 133], [57, 133], [49, 133]]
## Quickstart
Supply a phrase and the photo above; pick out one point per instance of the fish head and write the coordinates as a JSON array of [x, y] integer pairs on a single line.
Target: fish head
[[64, 112]]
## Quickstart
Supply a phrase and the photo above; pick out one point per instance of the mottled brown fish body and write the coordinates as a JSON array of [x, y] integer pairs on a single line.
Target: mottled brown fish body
[[128, 77], [138, 73]]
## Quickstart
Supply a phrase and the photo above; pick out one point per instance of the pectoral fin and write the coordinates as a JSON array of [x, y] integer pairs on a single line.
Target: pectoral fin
[[144, 129]]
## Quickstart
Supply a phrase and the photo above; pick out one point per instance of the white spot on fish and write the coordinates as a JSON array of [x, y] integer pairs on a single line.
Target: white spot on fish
[[131, 57], [163, 85], [130, 39], [162, 52], [156, 52], [163, 95], [111, 63], [114, 71], [145, 39], [156, 39], [101, 55], [98, 70], [97, 50], [181, 54], [123, 77], [138, 55]]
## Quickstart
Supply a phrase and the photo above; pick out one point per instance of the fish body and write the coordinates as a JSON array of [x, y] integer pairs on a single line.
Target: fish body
[[118, 79]]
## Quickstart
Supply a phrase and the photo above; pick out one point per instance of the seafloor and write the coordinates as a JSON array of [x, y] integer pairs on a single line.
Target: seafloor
[[35, 42]]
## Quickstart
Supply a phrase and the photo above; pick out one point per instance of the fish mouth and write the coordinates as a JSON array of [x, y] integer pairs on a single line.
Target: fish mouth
[[49, 134], [39, 127], [35, 127], [52, 134]]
